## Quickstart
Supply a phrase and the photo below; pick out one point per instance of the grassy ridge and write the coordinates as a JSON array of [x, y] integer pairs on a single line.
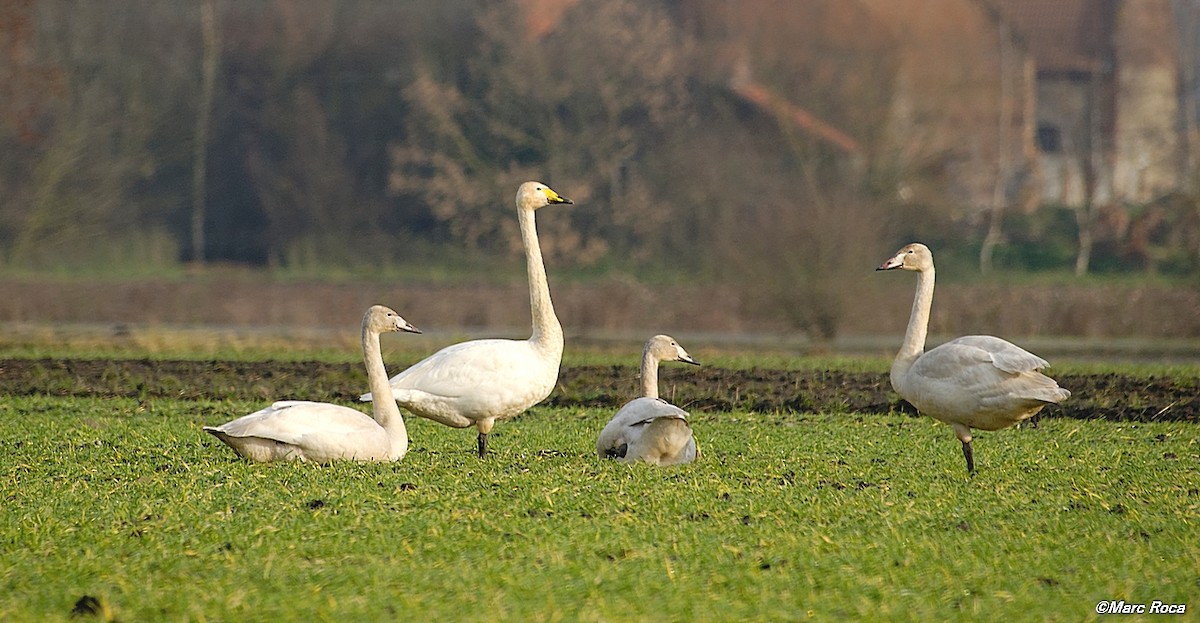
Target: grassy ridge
[[786, 516]]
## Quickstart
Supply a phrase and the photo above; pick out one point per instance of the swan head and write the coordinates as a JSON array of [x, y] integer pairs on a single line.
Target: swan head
[[382, 319], [534, 195], [915, 256], [665, 348]]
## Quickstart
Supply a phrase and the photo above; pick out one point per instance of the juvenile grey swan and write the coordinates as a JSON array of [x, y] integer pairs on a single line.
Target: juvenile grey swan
[[478, 382], [977, 381], [649, 428], [297, 430]]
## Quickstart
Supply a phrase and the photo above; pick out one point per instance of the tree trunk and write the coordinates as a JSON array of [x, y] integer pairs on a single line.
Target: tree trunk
[[1083, 221], [1003, 166], [1093, 155], [208, 79]]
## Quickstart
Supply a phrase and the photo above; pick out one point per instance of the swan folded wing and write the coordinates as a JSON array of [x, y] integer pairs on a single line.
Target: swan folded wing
[[631, 420], [645, 410], [956, 357], [997, 371], [1038, 386], [441, 374], [472, 367], [1005, 355], [292, 421], [952, 378], [961, 383], [616, 431], [951, 360], [662, 416]]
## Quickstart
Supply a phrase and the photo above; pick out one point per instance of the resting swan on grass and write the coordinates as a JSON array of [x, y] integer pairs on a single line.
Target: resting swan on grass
[[977, 381], [296, 430], [478, 382], [648, 428]]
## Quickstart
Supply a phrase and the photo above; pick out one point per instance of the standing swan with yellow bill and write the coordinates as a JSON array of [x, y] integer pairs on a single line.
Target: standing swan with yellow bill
[[479, 382]]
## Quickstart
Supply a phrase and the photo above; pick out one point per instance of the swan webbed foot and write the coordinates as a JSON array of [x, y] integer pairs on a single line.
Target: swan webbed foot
[[482, 444], [970, 456]]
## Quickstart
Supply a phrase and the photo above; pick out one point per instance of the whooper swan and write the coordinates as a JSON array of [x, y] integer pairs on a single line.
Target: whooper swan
[[648, 428], [977, 381], [478, 382], [321, 432]]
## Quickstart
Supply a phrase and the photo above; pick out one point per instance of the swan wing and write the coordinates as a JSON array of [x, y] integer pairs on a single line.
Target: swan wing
[[475, 367], [961, 382], [471, 381], [618, 430], [629, 425], [952, 359], [1005, 355], [996, 369], [298, 422]]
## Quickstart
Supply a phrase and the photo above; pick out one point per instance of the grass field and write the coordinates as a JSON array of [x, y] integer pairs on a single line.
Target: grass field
[[787, 516]]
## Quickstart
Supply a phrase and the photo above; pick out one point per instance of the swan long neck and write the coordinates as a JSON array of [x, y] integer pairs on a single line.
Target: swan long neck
[[547, 332], [918, 322], [649, 374], [383, 406]]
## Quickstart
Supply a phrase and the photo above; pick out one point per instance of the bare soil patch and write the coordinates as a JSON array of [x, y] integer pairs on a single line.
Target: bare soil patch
[[709, 389]]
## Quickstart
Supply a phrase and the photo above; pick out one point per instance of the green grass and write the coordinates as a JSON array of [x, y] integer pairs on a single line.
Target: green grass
[[785, 517]]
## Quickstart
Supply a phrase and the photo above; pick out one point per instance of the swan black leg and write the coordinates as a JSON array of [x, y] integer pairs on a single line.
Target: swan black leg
[[970, 457], [482, 444]]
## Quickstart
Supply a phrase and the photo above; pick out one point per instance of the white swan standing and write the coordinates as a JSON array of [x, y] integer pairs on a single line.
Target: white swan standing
[[321, 432], [648, 428], [977, 381], [478, 382]]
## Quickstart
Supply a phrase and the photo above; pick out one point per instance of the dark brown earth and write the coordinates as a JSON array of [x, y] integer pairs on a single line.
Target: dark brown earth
[[1101, 396]]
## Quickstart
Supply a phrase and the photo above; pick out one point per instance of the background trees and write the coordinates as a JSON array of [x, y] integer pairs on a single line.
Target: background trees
[[753, 143]]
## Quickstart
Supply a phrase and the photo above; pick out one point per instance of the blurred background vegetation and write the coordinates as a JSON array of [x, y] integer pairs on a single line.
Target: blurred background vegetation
[[770, 146]]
